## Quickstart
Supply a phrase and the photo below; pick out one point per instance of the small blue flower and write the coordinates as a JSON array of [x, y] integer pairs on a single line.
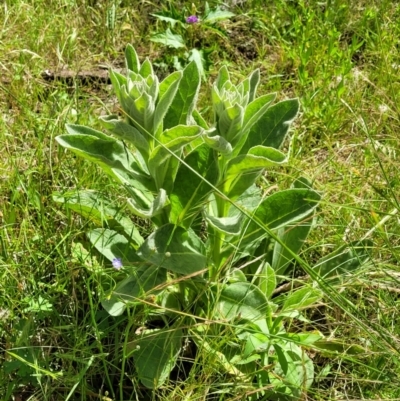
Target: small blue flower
[[192, 19], [117, 263]]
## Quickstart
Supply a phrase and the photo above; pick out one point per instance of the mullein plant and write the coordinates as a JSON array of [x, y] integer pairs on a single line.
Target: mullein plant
[[218, 246]]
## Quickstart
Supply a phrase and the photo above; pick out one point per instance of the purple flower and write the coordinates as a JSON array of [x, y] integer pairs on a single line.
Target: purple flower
[[117, 263], [192, 19]]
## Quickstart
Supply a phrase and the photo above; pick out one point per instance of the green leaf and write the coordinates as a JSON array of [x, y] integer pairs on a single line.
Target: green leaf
[[117, 80], [111, 155], [243, 170], [184, 102], [142, 281], [217, 143], [132, 59], [242, 300], [301, 298], [155, 355], [170, 20], [254, 81], [168, 93], [292, 237], [280, 209], [168, 81], [153, 208], [344, 260], [339, 347], [271, 129], [217, 15], [294, 369], [304, 339], [113, 245], [230, 122], [169, 39], [172, 140], [227, 225], [223, 76], [146, 69], [199, 120], [125, 132], [175, 249], [266, 279], [101, 210], [256, 109], [259, 157], [197, 57], [190, 191]]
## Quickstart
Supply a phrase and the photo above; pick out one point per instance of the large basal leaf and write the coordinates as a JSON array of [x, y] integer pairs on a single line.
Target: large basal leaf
[[113, 245], [271, 129], [155, 355], [101, 210], [183, 104], [280, 209], [344, 260], [140, 283], [191, 191], [174, 248], [111, 155], [242, 300]]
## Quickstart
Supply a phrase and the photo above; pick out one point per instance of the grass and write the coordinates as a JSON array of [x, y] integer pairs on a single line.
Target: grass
[[339, 57]]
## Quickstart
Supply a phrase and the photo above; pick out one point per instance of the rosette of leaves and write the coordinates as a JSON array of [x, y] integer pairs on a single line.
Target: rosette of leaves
[[218, 246]]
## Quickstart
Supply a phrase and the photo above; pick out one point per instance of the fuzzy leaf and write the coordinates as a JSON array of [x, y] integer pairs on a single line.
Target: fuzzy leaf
[[168, 93], [153, 208], [190, 191], [301, 298], [242, 300], [125, 132], [141, 282], [132, 59], [155, 355], [271, 129], [111, 155], [183, 103], [278, 210], [175, 249], [113, 245], [217, 15], [96, 207], [227, 225], [345, 259]]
